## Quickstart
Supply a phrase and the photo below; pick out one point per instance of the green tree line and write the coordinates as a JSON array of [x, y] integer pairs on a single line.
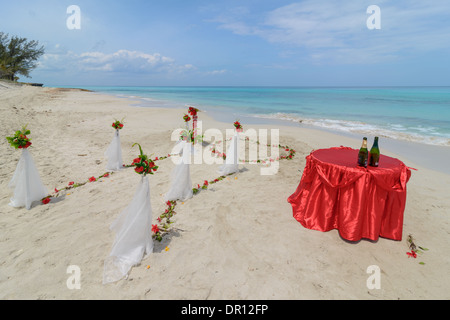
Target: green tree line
[[18, 56]]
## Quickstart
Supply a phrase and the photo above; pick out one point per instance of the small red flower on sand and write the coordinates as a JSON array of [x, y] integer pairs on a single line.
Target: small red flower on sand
[[186, 118], [71, 183], [205, 183], [106, 175], [412, 254], [46, 200], [56, 190], [92, 179], [155, 228], [169, 203]]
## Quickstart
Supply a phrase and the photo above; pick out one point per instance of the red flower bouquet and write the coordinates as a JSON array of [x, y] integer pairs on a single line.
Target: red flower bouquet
[[193, 111], [142, 164], [238, 126], [117, 125], [20, 140]]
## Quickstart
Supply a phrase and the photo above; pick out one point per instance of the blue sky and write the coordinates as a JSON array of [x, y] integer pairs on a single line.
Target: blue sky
[[236, 43]]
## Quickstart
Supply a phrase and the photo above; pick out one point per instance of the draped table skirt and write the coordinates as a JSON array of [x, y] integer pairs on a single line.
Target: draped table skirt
[[334, 193]]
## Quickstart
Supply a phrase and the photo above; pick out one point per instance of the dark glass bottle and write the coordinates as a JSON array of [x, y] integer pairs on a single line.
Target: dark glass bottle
[[374, 156], [363, 155]]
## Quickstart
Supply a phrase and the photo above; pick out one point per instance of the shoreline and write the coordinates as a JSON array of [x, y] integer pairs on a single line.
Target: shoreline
[[433, 157]]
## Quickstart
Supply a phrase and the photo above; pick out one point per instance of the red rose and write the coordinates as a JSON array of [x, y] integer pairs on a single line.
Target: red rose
[[155, 228], [139, 169], [71, 183], [46, 200], [192, 111], [92, 179], [205, 183], [137, 160]]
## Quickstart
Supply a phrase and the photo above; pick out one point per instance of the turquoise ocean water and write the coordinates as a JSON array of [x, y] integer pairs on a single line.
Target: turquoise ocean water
[[419, 114]]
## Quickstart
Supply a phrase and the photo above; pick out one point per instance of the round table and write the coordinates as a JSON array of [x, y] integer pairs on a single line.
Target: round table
[[335, 193]]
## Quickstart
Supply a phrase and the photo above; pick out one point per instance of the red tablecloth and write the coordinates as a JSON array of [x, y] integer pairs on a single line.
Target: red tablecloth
[[334, 193]]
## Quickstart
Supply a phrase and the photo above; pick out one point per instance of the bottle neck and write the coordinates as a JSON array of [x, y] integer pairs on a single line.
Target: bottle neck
[[375, 143]]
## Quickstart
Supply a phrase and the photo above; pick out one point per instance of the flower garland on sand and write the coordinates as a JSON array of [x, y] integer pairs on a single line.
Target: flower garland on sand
[[290, 156], [20, 140], [73, 185]]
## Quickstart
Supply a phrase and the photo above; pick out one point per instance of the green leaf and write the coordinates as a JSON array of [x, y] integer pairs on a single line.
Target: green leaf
[[140, 149]]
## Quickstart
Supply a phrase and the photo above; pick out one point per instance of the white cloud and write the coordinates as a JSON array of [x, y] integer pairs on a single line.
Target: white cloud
[[122, 61], [336, 31], [216, 72]]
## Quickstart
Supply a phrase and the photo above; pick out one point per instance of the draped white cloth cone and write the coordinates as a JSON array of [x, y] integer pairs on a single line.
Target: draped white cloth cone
[[181, 184], [231, 162], [133, 235], [26, 183], [114, 154]]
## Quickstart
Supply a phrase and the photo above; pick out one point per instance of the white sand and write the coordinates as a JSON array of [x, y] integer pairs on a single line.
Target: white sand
[[236, 240]]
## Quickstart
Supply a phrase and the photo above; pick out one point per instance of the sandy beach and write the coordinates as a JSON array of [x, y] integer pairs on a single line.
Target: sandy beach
[[235, 240]]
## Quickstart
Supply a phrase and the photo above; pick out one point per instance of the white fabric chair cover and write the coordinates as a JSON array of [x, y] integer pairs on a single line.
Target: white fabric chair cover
[[26, 183], [232, 160], [181, 184], [133, 239], [114, 154]]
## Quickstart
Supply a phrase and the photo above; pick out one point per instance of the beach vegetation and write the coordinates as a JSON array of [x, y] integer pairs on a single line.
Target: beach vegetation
[[18, 56]]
